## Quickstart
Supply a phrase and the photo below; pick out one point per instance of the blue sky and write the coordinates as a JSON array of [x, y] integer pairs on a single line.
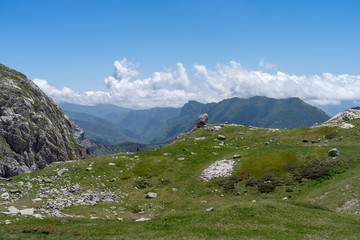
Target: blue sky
[[143, 54]]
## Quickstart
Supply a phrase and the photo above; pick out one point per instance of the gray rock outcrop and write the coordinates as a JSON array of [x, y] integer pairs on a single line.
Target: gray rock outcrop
[[201, 120], [82, 139], [34, 132]]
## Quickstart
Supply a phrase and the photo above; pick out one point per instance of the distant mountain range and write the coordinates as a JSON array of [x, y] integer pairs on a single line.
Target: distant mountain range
[[113, 125]]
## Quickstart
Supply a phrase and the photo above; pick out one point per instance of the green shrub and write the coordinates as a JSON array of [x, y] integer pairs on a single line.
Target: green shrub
[[266, 187], [252, 182]]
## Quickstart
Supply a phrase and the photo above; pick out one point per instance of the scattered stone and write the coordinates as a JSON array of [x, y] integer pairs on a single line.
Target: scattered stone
[[210, 209], [74, 188], [120, 219], [15, 191], [5, 196], [47, 180], [27, 211], [305, 140], [7, 221], [201, 120], [199, 138], [13, 210], [203, 201], [181, 158], [333, 153], [348, 205], [185, 149], [142, 219], [37, 200], [37, 215], [192, 154], [253, 201], [62, 171], [88, 169], [221, 137], [113, 180], [267, 143], [112, 164], [236, 156], [151, 195], [174, 189]]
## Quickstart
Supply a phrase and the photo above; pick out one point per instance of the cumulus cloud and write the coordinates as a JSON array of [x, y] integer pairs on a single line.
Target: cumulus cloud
[[167, 88], [60, 94], [232, 80], [173, 87]]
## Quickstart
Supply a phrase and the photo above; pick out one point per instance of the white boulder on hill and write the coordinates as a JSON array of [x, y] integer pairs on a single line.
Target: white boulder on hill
[[222, 168], [340, 118]]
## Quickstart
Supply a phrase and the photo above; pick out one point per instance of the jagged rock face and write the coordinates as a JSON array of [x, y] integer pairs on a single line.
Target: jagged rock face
[[34, 132], [81, 138]]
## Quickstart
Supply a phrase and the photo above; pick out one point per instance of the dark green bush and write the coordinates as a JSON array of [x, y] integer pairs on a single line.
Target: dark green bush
[[141, 184], [268, 177], [252, 182], [266, 187]]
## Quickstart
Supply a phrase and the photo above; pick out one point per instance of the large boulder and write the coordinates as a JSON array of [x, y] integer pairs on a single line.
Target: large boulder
[[34, 132], [201, 120]]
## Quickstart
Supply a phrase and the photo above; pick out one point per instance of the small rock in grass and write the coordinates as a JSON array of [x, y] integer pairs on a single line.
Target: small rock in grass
[[15, 191], [333, 153], [13, 210], [236, 156], [47, 180], [210, 209], [221, 137], [181, 158], [5, 196], [27, 211], [111, 164], [62, 171], [38, 216], [142, 219], [151, 195]]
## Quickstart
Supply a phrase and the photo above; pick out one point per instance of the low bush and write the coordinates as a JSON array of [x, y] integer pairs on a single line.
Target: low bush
[[266, 187], [252, 182]]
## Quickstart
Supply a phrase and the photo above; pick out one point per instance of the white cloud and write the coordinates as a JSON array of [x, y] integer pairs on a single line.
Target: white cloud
[[266, 65], [60, 94], [232, 80], [174, 88]]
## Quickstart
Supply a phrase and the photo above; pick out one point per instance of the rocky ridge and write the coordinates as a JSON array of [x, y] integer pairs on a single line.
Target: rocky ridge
[[34, 132], [340, 118]]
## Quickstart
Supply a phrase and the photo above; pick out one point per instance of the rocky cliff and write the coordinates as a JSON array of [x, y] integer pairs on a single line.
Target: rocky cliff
[[34, 132]]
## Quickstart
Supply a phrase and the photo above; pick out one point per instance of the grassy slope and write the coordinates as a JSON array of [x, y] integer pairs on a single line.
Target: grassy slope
[[309, 213]]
